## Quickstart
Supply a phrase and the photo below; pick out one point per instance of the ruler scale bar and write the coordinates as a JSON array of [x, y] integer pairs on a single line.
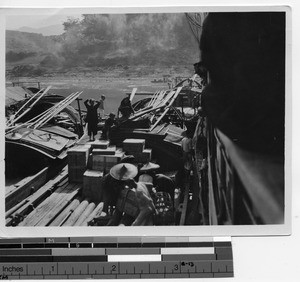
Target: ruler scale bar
[[120, 267], [115, 258]]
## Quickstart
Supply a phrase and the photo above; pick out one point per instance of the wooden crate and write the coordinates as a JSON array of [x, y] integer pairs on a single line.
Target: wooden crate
[[75, 174], [147, 155], [133, 146], [111, 150], [144, 157], [105, 162], [92, 185], [78, 156], [100, 144]]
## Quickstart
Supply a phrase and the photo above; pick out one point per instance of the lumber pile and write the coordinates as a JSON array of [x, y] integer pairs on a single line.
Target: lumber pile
[[52, 206], [24, 207], [158, 106]]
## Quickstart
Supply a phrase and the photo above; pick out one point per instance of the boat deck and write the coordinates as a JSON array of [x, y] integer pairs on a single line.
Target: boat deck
[[55, 202]]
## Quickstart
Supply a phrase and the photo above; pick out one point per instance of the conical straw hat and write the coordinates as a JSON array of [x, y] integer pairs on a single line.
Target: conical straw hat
[[123, 171], [146, 178], [150, 166]]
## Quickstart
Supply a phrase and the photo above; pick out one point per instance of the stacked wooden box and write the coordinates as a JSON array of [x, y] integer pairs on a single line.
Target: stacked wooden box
[[136, 147], [100, 144], [104, 157], [92, 185], [77, 162]]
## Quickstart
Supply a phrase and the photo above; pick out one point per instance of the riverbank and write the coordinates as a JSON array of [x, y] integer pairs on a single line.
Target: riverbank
[[112, 82]]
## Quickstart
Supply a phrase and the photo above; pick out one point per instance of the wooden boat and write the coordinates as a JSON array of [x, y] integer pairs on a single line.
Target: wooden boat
[[39, 133], [66, 199], [229, 185], [61, 200]]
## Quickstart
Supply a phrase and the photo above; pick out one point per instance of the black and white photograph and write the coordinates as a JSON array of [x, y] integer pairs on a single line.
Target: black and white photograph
[[139, 118]]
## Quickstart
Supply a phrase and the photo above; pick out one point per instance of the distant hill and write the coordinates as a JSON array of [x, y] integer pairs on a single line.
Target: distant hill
[[46, 31], [104, 41], [28, 42]]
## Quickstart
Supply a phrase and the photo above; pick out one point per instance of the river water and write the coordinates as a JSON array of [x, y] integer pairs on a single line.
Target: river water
[[113, 93]]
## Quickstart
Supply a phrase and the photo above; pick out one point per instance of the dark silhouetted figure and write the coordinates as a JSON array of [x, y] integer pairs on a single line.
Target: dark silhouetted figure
[[244, 54], [126, 108], [92, 117]]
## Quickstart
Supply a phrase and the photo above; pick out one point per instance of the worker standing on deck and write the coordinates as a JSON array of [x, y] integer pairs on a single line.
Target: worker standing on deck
[[109, 123], [101, 106], [92, 117], [126, 108]]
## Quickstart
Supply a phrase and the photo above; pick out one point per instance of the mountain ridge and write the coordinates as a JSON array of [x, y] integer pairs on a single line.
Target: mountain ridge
[[56, 29]]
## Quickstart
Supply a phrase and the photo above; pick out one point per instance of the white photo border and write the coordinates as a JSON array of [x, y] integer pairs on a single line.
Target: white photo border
[[232, 230]]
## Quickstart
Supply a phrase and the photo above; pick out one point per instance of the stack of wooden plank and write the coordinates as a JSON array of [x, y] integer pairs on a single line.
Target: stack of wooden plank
[[43, 214], [77, 162], [158, 106], [136, 147]]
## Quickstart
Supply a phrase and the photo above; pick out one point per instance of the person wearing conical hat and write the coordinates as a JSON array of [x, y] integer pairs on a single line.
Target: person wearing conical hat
[[123, 174], [161, 182], [123, 171], [149, 167]]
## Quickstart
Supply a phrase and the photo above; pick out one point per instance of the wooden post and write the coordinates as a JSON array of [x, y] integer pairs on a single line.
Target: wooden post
[[132, 94], [79, 110]]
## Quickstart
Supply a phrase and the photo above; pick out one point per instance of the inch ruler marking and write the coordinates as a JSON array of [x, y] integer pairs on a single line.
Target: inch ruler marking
[[123, 257]]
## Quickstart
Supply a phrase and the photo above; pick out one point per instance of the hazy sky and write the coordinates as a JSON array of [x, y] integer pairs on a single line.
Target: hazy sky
[[36, 21]]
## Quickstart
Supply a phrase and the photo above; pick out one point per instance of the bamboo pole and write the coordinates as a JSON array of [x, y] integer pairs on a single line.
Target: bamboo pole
[[53, 108], [34, 119], [85, 214], [96, 212], [56, 107], [132, 94], [30, 107], [175, 96], [167, 98], [167, 109], [63, 216], [32, 97], [145, 112], [55, 112], [153, 98], [76, 214], [159, 119], [159, 98]]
